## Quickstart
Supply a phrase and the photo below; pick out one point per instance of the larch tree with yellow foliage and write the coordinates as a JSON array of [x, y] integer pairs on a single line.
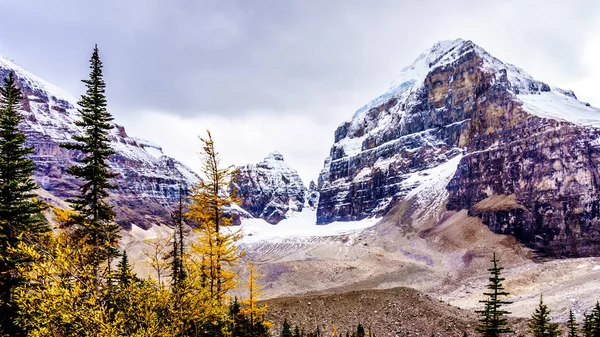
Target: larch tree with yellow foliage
[[157, 254], [255, 313], [215, 249], [212, 258], [62, 299]]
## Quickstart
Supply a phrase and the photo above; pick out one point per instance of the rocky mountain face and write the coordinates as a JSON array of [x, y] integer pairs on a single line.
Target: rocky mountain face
[[312, 195], [148, 181], [270, 189], [524, 155]]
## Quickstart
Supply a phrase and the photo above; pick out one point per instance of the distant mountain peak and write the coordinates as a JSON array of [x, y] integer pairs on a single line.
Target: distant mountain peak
[[275, 155], [270, 189]]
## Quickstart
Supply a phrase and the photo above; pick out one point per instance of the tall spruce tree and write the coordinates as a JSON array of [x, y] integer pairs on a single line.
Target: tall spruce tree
[[94, 214], [493, 318], [572, 324], [20, 219], [540, 324], [360, 331]]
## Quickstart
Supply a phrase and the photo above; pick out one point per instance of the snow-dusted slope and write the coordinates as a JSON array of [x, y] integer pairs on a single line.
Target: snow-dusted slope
[[148, 181], [270, 189], [556, 104]]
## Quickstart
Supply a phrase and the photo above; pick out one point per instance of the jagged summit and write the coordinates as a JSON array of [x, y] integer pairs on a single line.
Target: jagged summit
[[275, 155], [270, 189], [537, 98]]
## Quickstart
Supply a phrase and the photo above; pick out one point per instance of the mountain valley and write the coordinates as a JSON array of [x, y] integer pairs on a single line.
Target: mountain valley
[[464, 156]]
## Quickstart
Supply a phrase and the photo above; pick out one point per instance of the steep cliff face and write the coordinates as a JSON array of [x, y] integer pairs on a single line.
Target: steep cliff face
[[147, 182], [529, 151], [270, 189], [411, 128]]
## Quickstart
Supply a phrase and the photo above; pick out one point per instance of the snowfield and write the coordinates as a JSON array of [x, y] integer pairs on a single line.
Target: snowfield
[[298, 226], [556, 105]]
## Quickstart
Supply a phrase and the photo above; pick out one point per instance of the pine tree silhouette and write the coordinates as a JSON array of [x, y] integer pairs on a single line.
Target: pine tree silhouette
[[493, 318]]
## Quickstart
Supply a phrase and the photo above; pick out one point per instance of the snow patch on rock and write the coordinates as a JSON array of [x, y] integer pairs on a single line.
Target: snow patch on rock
[[557, 105]]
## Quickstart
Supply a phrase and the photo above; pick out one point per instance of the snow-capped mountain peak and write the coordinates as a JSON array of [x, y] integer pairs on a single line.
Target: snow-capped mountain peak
[[270, 189], [275, 155], [519, 153]]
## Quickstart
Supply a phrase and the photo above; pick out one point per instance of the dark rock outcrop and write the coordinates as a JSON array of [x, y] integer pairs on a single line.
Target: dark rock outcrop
[[312, 195]]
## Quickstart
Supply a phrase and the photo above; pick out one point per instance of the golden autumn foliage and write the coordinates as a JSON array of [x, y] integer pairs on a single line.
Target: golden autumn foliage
[[212, 194], [66, 295], [212, 260], [216, 250], [251, 308], [64, 217], [63, 298]]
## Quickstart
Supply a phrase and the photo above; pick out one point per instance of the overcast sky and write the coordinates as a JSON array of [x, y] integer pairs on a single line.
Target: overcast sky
[[275, 74]]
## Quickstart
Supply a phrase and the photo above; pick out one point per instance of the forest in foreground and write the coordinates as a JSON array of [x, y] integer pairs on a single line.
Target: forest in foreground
[[70, 278]]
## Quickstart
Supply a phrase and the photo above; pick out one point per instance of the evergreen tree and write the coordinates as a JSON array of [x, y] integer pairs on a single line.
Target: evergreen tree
[[588, 325], [572, 324], [125, 275], [178, 272], [360, 331], [595, 320], [94, 214], [20, 219], [540, 325], [286, 330], [238, 321], [297, 331], [493, 318]]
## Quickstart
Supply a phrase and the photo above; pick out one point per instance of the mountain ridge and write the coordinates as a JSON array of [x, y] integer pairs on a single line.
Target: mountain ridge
[[148, 181]]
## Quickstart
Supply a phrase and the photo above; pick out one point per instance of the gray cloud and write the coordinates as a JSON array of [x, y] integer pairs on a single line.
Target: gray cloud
[[318, 59]]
